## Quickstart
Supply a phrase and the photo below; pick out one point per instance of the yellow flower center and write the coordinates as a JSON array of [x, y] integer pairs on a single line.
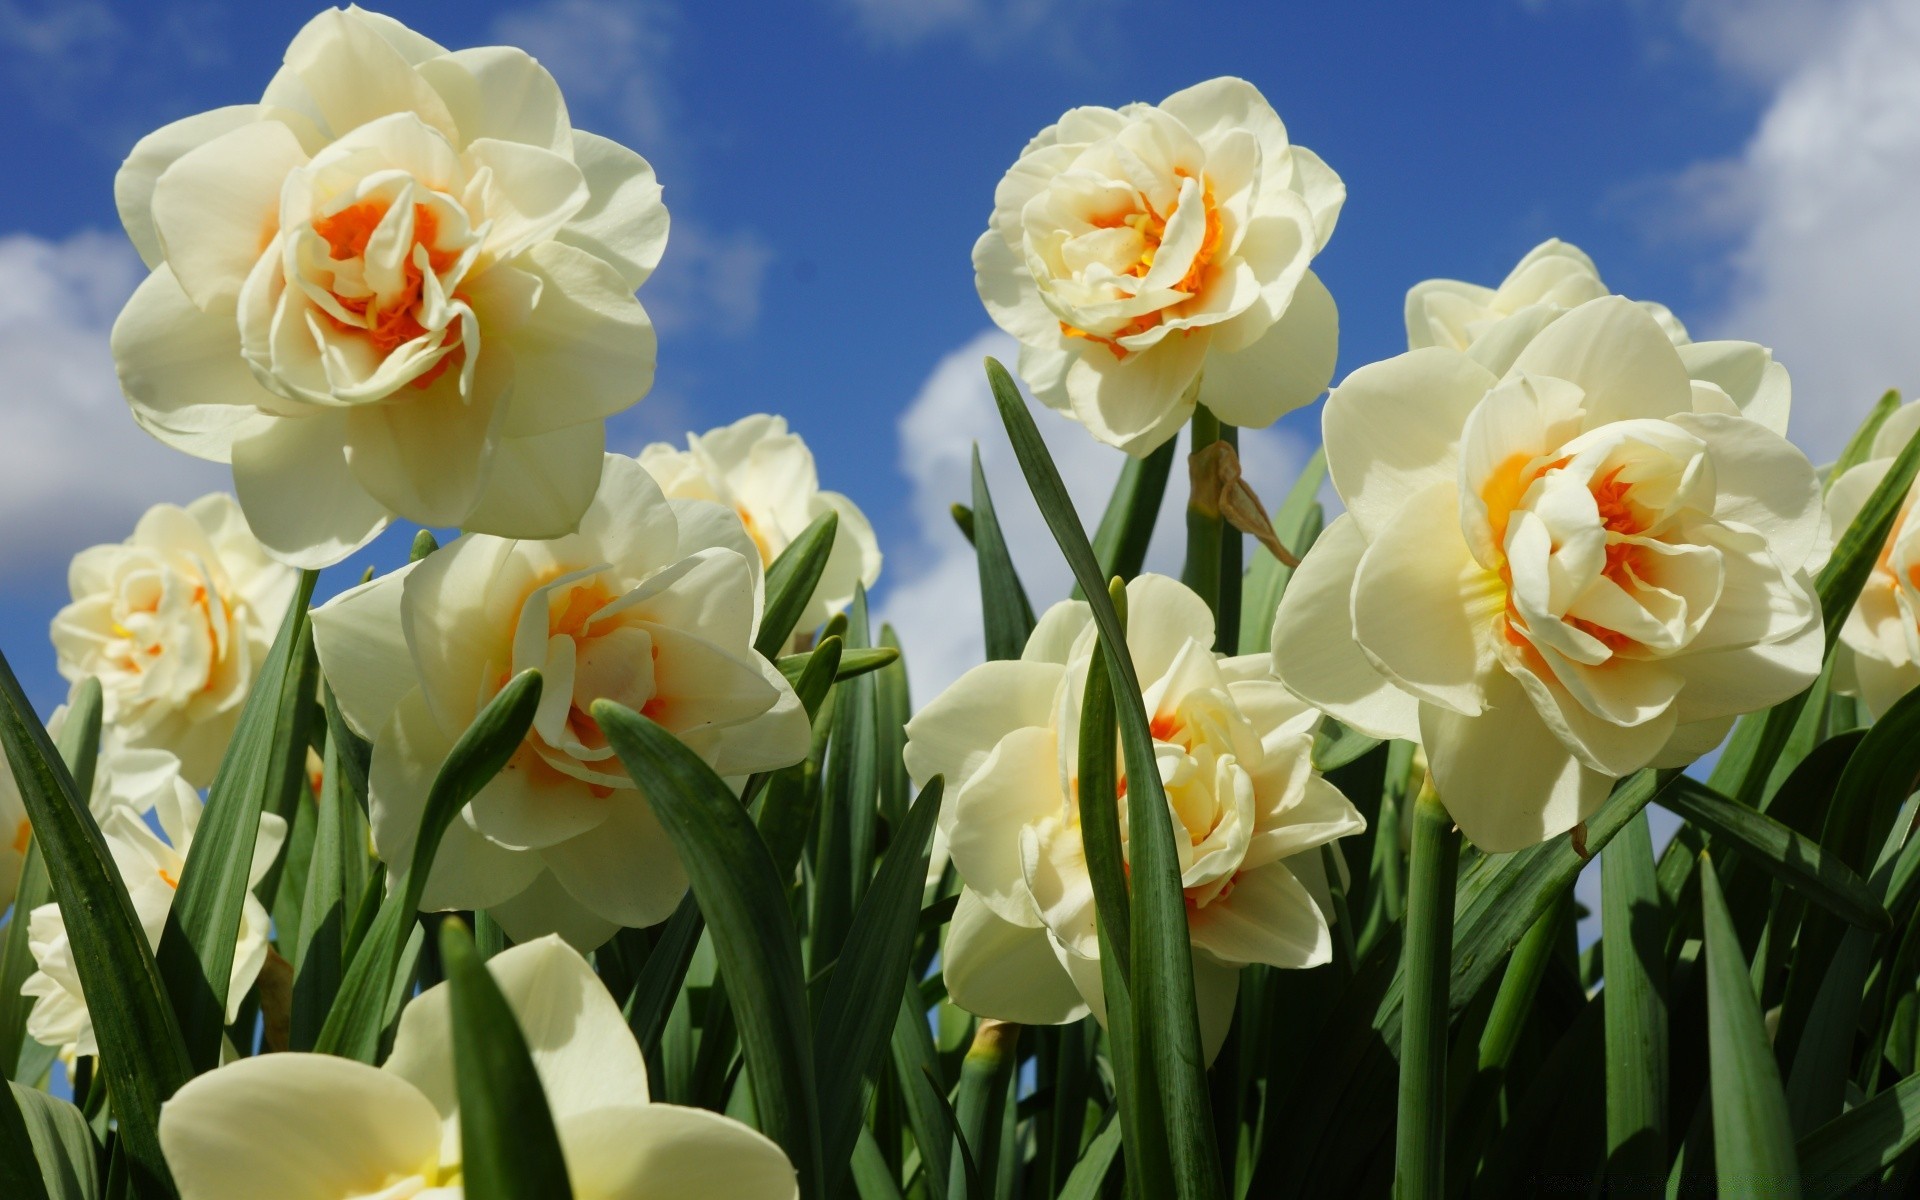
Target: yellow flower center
[[1152, 228]]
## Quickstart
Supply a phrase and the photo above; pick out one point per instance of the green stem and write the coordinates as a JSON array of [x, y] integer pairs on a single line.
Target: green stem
[[1420, 1158], [984, 1075], [1202, 569]]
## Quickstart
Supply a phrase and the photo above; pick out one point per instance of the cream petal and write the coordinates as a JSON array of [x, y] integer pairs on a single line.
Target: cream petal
[[1053, 865], [586, 352], [1287, 368], [182, 372], [1275, 250], [1600, 740], [1749, 377], [1765, 483], [1006, 288], [217, 208], [1438, 311], [1268, 917], [1324, 190], [1216, 991], [1321, 815], [1618, 355], [531, 805], [501, 92], [624, 222], [998, 969], [668, 1152], [1137, 403], [363, 651], [540, 485], [625, 870], [544, 907], [630, 520], [149, 159], [1392, 429], [778, 737], [1057, 631], [954, 734], [1725, 682], [459, 609], [1505, 778], [1017, 785], [1314, 652], [527, 192], [1164, 617], [426, 453], [1882, 684], [352, 75], [296, 1127], [1423, 609], [581, 1047], [1896, 431], [300, 496], [1691, 741]]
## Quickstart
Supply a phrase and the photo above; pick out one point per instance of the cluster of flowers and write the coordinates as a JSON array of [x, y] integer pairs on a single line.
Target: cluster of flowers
[[1576, 543]]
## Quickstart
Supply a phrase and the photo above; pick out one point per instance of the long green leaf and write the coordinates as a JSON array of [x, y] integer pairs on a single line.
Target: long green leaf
[[1861, 443], [1634, 931], [266, 760], [1420, 1152], [20, 1173], [923, 1092], [508, 1147], [1856, 1146], [1003, 602], [1096, 1163], [335, 877], [791, 579], [358, 1018], [857, 1013], [142, 1056], [79, 746], [58, 1137], [1126, 527], [1752, 1138], [893, 707], [1795, 860], [1165, 1016], [745, 903], [854, 661]]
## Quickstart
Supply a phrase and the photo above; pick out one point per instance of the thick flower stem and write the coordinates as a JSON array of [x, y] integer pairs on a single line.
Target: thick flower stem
[[986, 1076], [1420, 1163], [1212, 567]]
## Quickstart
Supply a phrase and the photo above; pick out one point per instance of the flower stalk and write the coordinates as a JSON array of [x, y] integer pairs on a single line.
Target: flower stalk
[[1420, 1149]]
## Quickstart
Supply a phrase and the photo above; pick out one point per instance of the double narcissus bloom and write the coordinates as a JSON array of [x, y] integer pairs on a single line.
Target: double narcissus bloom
[[1553, 277], [1249, 812], [765, 474], [1557, 575], [1880, 642], [315, 1127], [150, 868], [173, 622], [402, 283], [654, 604], [1152, 255]]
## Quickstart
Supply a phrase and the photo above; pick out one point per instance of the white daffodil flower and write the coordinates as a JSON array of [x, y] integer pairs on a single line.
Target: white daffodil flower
[[1554, 577], [315, 1127], [150, 868], [402, 283], [1249, 812], [1132, 249], [654, 603], [174, 623], [1879, 654], [1552, 279], [765, 474]]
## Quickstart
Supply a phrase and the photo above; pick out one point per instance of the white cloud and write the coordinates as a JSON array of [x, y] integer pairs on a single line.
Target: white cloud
[[709, 281], [1820, 203], [74, 468], [931, 593]]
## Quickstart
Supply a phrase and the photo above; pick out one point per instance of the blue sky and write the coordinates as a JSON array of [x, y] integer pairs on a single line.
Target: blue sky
[[828, 165]]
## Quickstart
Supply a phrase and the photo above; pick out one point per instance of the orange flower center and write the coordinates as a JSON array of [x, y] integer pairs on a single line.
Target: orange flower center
[[22, 834], [391, 325], [1152, 228]]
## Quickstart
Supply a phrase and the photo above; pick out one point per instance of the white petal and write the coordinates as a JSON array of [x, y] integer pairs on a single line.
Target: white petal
[[1287, 368], [997, 969], [218, 206], [363, 651], [544, 907], [296, 1127], [1267, 918], [1314, 652], [1505, 778], [1137, 403], [300, 497], [541, 485], [351, 75], [624, 223], [182, 372], [625, 869], [1018, 785], [527, 192], [1757, 385], [1392, 429], [1727, 682], [953, 734], [586, 352], [1619, 356], [667, 1152], [501, 92], [1423, 608], [149, 159], [426, 453], [1765, 483], [1164, 616]]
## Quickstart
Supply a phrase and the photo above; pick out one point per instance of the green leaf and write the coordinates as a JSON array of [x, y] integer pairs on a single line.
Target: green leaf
[[264, 764], [1335, 745], [356, 755], [848, 806], [1166, 1021], [336, 875], [872, 1177], [745, 903], [355, 1024], [1752, 1138], [424, 543], [985, 1076], [791, 580], [1096, 1163], [857, 1014], [508, 1147], [923, 1091], [654, 992], [1298, 523], [1634, 932], [853, 662], [142, 1057], [893, 707], [1861, 443], [1126, 527], [79, 746], [1856, 1146], [57, 1139], [1795, 860], [1003, 602], [1420, 1149]]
